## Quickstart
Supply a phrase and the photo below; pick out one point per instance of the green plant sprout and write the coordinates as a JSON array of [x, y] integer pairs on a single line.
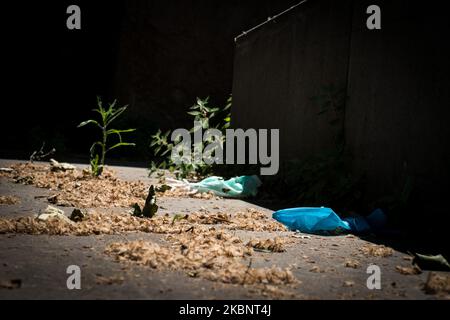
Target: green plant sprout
[[108, 115], [208, 117]]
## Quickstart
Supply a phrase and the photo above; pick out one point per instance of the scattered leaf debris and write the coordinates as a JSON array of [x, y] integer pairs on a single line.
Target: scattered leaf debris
[[376, 250], [438, 284], [199, 246], [348, 283], [60, 166], [8, 200], [268, 245], [211, 254], [254, 220], [352, 264], [96, 223], [185, 193], [249, 220], [316, 269], [79, 188], [408, 270]]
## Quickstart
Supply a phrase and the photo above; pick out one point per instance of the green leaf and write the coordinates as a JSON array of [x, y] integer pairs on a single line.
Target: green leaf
[[115, 114], [112, 105], [157, 149], [154, 143], [88, 122], [166, 152], [120, 144], [431, 262], [91, 149], [116, 131]]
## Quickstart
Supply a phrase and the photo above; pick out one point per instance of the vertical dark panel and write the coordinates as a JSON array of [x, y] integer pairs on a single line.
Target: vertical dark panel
[[398, 112], [280, 67]]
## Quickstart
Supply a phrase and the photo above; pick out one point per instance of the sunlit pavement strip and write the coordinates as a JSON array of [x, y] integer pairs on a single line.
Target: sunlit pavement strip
[[35, 266]]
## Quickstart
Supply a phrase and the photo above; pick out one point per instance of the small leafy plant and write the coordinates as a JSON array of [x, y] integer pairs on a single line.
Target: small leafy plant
[[209, 117], [41, 155], [99, 149]]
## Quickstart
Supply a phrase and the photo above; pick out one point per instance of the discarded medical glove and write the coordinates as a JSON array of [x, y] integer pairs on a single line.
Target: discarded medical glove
[[312, 220], [326, 221], [373, 222], [238, 187]]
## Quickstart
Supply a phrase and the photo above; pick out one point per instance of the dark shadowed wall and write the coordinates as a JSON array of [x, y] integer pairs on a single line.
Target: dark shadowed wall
[[156, 56], [396, 80], [174, 51], [282, 66]]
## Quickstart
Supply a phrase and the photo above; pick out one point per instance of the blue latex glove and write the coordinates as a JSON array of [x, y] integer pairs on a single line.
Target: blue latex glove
[[311, 220]]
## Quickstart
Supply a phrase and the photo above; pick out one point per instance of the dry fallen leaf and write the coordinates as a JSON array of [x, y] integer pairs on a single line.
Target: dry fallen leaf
[[271, 245], [8, 200], [349, 283], [315, 269], [408, 270], [438, 284], [352, 264], [376, 250]]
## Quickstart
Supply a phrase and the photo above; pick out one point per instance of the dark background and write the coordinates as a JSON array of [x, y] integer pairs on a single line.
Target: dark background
[[155, 56]]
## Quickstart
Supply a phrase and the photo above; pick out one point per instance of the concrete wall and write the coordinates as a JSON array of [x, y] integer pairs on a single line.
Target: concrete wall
[[396, 79]]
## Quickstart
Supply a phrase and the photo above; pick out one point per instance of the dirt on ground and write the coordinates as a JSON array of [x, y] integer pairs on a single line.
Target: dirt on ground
[[195, 247]]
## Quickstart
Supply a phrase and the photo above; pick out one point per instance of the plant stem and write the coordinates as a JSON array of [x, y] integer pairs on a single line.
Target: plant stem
[[102, 160]]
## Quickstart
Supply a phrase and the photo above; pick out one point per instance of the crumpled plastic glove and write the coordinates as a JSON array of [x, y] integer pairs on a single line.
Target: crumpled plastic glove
[[238, 187], [311, 220]]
